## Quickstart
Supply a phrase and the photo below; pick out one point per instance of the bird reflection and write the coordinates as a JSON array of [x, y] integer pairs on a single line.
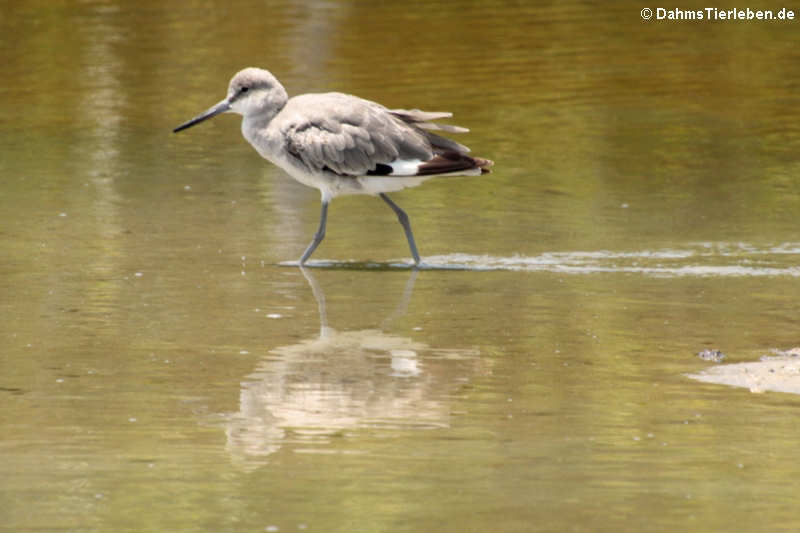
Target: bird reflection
[[308, 392]]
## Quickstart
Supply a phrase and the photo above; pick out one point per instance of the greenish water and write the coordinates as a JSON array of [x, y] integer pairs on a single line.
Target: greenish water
[[163, 369]]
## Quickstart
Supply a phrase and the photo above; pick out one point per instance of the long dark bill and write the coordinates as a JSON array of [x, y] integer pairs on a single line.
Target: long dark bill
[[221, 107]]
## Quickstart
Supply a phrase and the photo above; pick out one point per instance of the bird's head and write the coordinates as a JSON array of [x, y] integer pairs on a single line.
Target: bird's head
[[252, 92]]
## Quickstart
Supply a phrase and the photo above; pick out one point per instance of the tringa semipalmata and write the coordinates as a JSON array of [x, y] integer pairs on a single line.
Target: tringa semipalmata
[[342, 144]]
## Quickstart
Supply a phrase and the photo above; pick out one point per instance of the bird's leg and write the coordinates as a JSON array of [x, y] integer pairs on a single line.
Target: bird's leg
[[318, 236], [403, 218]]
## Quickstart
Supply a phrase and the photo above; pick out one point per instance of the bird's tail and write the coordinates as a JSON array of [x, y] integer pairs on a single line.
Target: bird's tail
[[454, 163], [451, 157]]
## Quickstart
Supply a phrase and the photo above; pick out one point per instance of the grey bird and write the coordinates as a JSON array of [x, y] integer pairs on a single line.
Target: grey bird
[[343, 144]]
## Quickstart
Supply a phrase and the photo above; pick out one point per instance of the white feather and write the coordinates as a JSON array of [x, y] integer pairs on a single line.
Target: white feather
[[405, 167]]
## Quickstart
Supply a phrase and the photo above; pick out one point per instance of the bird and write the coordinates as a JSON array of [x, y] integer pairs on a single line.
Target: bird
[[342, 144]]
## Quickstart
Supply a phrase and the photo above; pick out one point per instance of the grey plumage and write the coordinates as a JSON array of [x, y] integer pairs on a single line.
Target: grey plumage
[[350, 136], [422, 119]]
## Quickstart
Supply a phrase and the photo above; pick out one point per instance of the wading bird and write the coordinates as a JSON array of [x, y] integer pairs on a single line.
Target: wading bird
[[342, 144]]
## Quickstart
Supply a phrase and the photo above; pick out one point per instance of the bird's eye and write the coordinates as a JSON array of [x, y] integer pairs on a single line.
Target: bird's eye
[[244, 89]]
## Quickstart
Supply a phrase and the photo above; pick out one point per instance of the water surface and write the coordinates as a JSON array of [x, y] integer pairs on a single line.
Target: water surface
[[167, 368]]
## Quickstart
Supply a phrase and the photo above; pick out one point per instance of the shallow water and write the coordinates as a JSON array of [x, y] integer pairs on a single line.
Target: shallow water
[[167, 366]]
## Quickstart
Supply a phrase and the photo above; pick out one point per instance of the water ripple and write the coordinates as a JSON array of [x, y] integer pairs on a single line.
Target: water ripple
[[696, 259]]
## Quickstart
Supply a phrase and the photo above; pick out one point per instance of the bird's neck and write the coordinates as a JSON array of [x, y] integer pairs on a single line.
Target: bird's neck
[[255, 122], [267, 106], [254, 129]]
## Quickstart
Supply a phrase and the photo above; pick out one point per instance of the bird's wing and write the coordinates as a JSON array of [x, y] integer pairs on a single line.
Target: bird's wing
[[351, 136]]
